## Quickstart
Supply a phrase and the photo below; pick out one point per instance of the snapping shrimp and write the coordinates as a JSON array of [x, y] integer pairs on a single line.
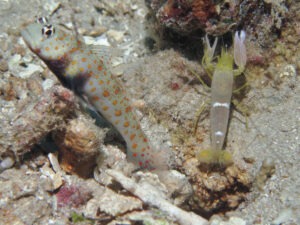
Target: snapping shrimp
[[221, 92]]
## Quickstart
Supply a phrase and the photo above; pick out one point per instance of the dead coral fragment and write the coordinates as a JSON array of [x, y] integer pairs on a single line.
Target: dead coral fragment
[[112, 204], [79, 146], [149, 194], [25, 118]]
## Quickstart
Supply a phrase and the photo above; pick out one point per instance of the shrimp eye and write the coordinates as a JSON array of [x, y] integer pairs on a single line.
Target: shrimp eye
[[48, 31], [42, 20]]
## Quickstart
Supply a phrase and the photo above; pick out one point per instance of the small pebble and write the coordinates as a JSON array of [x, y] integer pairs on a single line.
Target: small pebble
[[6, 163], [117, 36], [47, 84], [5, 5], [3, 65], [29, 70], [14, 61]]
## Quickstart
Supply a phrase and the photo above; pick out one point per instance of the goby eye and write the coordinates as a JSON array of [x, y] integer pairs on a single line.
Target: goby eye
[[48, 31]]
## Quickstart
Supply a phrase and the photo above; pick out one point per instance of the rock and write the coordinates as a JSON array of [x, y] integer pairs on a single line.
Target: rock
[[111, 203]]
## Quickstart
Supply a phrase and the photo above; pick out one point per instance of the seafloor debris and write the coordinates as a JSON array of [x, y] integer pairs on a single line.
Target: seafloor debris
[[111, 157], [79, 145], [72, 196], [217, 188], [266, 170], [31, 109], [28, 114], [153, 196], [172, 183], [112, 204]]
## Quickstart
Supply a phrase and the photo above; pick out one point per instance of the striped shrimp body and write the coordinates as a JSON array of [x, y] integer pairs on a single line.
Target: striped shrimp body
[[221, 93], [80, 69]]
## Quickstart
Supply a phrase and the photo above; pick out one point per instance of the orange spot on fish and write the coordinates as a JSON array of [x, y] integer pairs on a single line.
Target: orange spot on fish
[[91, 82], [81, 69], [115, 102], [74, 62], [105, 108], [117, 90], [108, 82], [145, 140], [128, 109], [83, 59], [56, 48], [134, 154], [118, 113], [134, 145], [132, 137], [73, 50], [100, 82], [117, 122], [95, 98], [100, 68], [126, 124], [104, 73], [89, 66], [143, 149], [93, 89], [105, 93], [47, 49]]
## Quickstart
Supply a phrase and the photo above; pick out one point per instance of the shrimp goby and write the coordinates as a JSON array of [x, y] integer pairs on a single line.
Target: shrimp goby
[[85, 71], [222, 85]]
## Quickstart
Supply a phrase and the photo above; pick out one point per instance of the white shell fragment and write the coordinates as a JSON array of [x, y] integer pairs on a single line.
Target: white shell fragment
[[29, 70]]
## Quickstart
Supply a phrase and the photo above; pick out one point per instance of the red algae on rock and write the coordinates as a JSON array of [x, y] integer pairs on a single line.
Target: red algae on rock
[[186, 16], [218, 17], [72, 196]]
